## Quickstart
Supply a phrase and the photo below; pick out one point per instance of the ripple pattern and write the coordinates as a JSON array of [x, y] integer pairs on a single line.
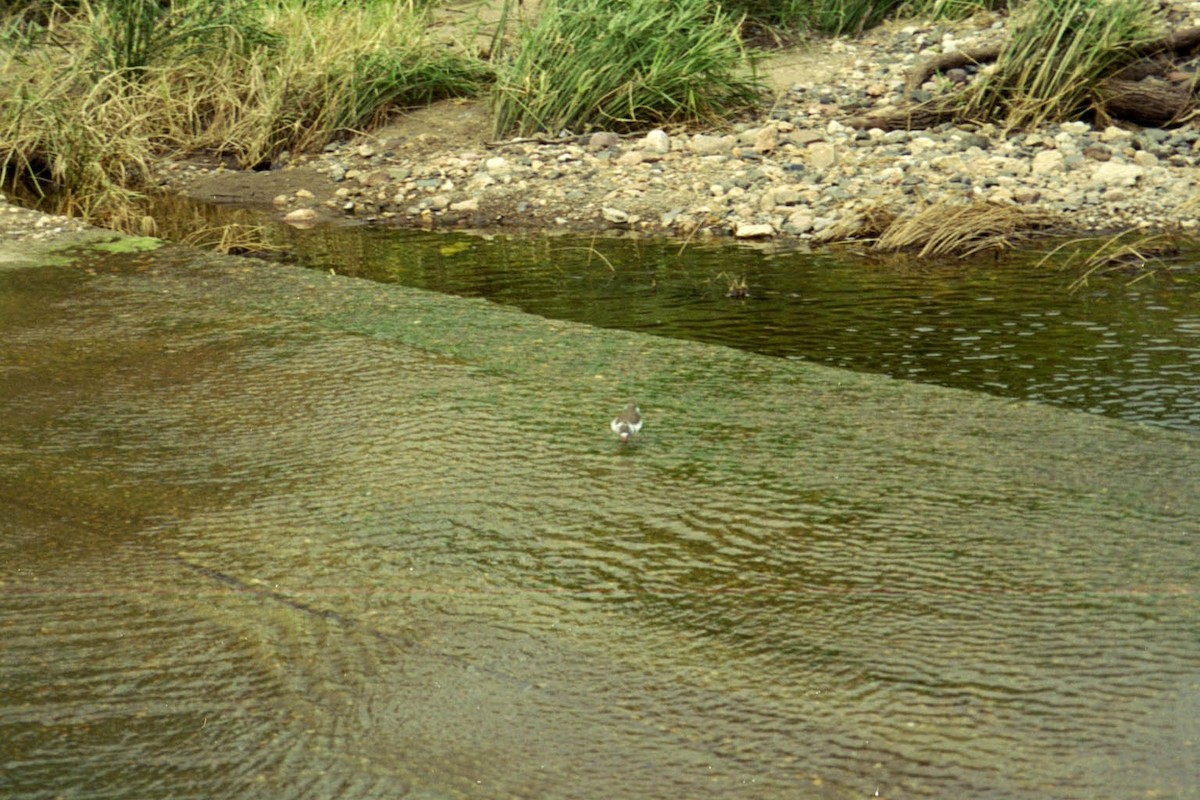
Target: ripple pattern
[[369, 542]]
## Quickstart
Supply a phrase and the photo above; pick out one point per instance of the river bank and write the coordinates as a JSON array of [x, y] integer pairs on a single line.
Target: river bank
[[795, 171]]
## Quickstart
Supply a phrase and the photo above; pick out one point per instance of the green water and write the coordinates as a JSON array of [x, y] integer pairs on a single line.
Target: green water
[[1010, 329], [272, 532]]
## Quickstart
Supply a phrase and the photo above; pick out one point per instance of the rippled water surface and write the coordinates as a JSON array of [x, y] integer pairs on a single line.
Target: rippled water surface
[[1125, 350], [268, 532]]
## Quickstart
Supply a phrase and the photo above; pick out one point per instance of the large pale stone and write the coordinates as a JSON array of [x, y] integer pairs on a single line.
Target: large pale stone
[[821, 155], [497, 165], [921, 144], [656, 141], [705, 145], [301, 218], [602, 140], [1114, 134], [786, 195], [614, 216], [766, 140], [750, 230], [806, 136], [1047, 161], [1112, 173], [1145, 159], [800, 221]]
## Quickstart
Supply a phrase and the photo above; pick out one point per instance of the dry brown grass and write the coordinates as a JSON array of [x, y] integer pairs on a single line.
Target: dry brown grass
[[958, 229], [1135, 253]]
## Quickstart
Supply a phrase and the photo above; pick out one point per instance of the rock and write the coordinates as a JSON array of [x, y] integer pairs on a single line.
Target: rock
[[656, 141], [667, 219], [821, 155], [799, 221], [301, 218], [920, 145], [438, 202], [786, 195], [1111, 173], [304, 194], [614, 216], [470, 204], [1114, 134], [1046, 162], [365, 151], [1026, 195], [747, 230], [703, 144], [377, 178], [280, 200], [1097, 152], [497, 165], [1145, 159], [632, 158], [603, 140], [766, 140], [803, 137]]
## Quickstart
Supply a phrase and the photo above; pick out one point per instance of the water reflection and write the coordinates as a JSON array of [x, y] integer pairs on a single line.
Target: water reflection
[[1131, 352], [272, 532]]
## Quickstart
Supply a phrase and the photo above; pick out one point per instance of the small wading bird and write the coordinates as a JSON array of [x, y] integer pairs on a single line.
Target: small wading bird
[[627, 423]]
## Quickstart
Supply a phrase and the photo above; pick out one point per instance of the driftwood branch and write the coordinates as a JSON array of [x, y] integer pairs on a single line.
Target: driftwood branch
[[1179, 43], [959, 58], [917, 117]]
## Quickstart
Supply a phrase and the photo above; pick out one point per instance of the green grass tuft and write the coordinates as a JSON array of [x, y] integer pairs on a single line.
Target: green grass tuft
[[589, 64]]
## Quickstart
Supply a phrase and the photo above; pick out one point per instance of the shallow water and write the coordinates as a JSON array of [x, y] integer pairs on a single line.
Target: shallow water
[[1015, 329], [273, 532]]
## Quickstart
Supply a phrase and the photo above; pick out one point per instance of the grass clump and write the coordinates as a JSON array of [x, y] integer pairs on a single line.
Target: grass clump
[[339, 69], [91, 97], [589, 64], [1135, 253], [951, 228], [1058, 52]]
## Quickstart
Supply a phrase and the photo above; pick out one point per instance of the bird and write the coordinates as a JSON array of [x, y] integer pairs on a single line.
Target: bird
[[627, 423]]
